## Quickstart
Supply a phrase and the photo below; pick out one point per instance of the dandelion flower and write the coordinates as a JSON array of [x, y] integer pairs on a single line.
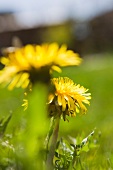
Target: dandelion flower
[[34, 62], [68, 98]]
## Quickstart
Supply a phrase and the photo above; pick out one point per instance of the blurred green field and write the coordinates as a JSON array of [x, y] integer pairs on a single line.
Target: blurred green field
[[96, 74]]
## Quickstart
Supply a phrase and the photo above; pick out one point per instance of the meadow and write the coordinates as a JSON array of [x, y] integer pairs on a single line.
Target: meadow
[[96, 74]]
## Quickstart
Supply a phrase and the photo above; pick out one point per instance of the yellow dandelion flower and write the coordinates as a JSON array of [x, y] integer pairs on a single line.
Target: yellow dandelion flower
[[68, 98], [34, 62]]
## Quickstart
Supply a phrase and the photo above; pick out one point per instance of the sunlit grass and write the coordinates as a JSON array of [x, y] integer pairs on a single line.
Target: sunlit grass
[[95, 73]]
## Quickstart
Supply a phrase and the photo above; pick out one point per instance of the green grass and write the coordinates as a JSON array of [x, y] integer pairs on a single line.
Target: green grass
[[96, 74]]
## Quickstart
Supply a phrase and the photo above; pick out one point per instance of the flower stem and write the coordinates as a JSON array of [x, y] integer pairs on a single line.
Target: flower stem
[[49, 161], [52, 123]]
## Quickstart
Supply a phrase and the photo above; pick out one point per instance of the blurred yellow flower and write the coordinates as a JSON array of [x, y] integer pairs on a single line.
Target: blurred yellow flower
[[34, 63], [25, 104], [25, 100], [68, 98]]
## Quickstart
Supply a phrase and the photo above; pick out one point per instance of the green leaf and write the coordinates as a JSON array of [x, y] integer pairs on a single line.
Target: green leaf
[[3, 124]]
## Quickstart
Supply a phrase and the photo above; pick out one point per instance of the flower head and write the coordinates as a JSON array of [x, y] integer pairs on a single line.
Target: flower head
[[34, 62], [68, 98]]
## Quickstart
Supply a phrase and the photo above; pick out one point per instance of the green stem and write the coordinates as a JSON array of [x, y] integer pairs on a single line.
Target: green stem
[[80, 163], [49, 162], [52, 123]]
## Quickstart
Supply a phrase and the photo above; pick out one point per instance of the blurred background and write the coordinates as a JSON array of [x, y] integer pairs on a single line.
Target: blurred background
[[86, 27]]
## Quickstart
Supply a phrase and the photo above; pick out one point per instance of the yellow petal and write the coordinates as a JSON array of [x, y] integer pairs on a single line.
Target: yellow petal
[[14, 82], [23, 78], [63, 104], [56, 68], [50, 98], [59, 100]]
